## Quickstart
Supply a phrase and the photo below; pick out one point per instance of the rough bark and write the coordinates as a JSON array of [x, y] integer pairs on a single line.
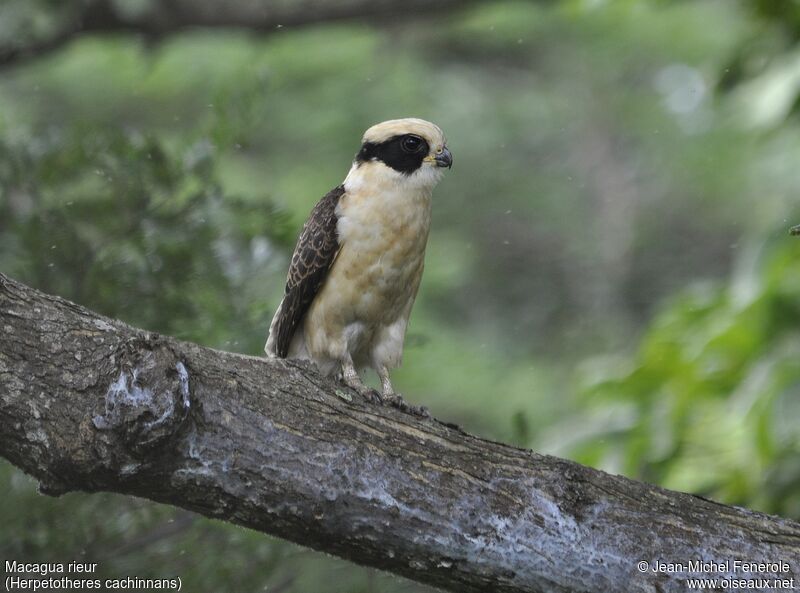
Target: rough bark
[[164, 17], [89, 403]]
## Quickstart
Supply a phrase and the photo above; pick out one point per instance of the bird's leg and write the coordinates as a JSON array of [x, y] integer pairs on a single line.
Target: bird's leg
[[386, 385], [353, 381], [391, 397]]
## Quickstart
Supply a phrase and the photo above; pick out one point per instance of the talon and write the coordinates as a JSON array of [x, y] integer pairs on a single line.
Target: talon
[[373, 396], [393, 399], [396, 401], [422, 412]]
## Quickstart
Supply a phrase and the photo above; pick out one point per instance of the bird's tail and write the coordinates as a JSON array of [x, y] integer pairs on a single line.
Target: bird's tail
[[297, 346], [270, 348]]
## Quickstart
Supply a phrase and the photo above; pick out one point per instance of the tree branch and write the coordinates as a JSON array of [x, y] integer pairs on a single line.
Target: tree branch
[[171, 16], [89, 403]]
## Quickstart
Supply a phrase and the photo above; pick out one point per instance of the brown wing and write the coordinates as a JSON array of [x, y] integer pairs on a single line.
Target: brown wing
[[312, 258]]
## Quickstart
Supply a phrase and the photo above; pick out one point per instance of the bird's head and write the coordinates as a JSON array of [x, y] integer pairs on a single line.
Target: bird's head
[[411, 148]]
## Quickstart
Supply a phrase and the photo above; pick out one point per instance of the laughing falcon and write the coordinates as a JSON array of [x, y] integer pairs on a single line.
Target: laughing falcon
[[358, 261]]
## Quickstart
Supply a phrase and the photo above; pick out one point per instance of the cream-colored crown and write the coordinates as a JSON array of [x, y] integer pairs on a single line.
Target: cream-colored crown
[[410, 125]]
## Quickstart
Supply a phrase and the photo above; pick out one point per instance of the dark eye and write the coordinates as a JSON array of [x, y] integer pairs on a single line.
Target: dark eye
[[411, 144]]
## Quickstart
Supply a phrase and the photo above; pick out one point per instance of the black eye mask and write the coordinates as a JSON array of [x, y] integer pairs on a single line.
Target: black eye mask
[[402, 153]]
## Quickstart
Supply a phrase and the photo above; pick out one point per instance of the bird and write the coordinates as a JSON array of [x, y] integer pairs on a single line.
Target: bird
[[359, 258]]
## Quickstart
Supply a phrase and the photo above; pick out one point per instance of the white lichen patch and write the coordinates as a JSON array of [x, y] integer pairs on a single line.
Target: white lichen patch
[[38, 435], [125, 391], [204, 468], [127, 400], [521, 532], [102, 325], [183, 377], [130, 468], [120, 393], [32, 405]]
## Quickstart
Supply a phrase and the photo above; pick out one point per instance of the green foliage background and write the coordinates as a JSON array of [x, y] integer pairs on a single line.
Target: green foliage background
[[609, 277]]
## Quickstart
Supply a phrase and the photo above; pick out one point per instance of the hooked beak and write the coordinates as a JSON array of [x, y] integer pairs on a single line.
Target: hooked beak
[[444, 158]]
